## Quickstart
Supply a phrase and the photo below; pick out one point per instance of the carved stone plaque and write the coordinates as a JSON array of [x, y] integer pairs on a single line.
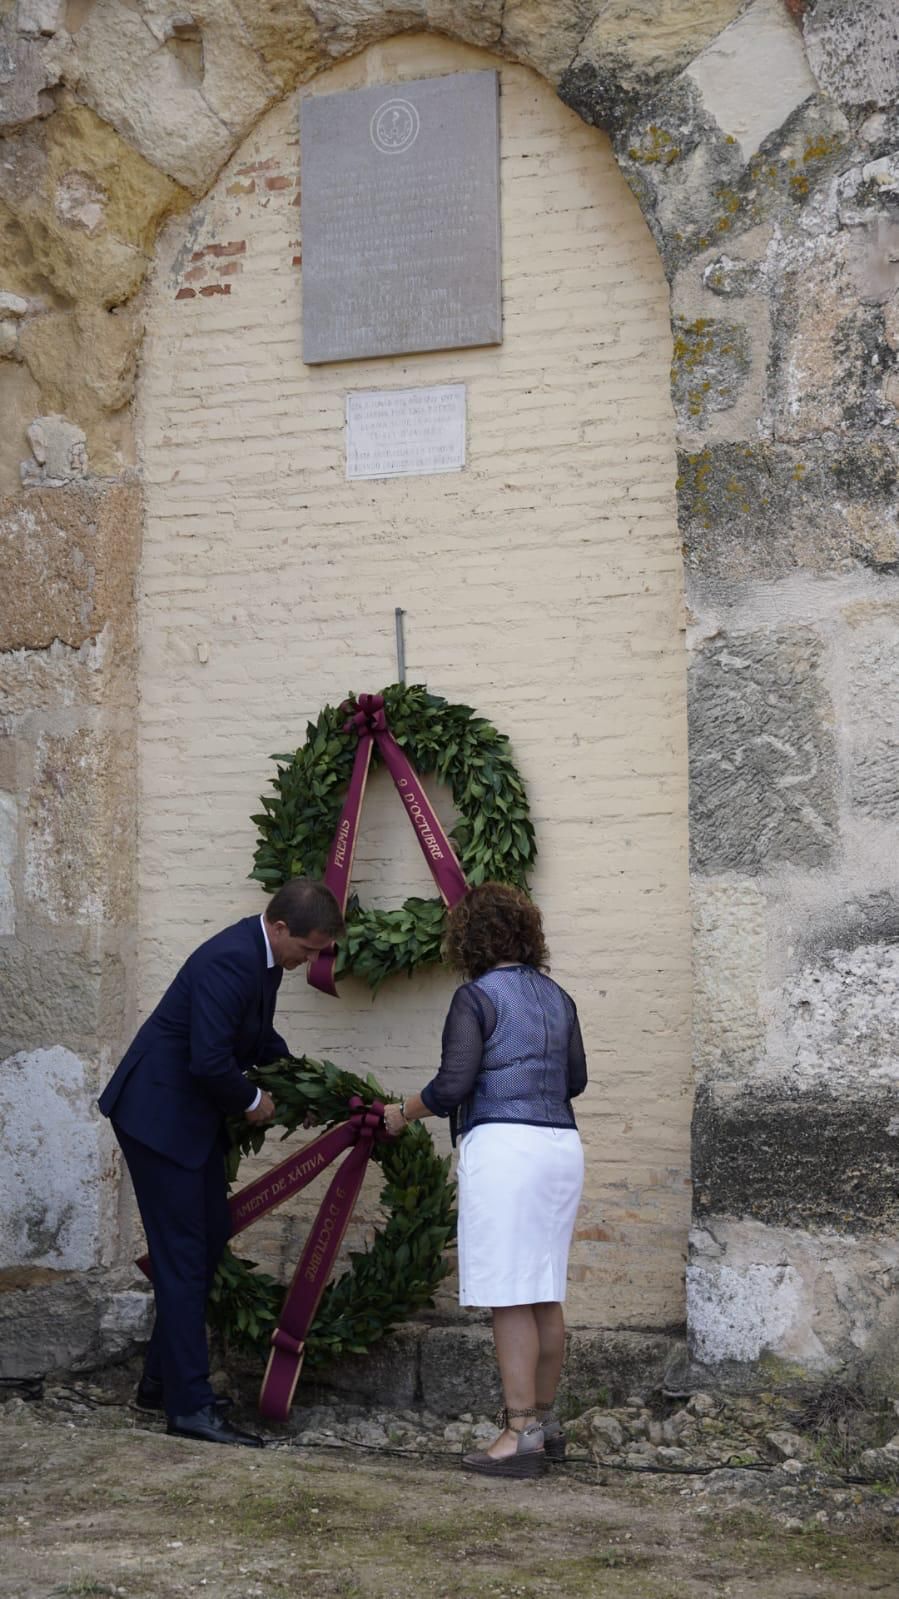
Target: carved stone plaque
[[399, 215], [392, 432]]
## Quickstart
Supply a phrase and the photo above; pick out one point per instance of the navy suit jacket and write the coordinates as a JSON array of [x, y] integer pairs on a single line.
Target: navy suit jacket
[[184, 1072]]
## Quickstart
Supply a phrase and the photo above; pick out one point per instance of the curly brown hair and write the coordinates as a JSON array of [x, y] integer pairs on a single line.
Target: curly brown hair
[[494, 923]]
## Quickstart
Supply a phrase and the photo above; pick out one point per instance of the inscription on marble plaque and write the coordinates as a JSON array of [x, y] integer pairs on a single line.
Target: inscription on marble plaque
[[392, 432], [399, 215]]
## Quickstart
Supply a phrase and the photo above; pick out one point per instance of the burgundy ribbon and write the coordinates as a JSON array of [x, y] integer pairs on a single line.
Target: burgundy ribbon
[[285, 1362], [364, 1127], [369, 722]]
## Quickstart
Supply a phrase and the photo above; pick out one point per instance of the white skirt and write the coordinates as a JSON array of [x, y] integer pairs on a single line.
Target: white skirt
[[519, 1189]]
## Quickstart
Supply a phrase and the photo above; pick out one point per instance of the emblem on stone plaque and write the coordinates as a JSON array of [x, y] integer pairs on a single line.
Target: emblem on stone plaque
[[394, 127]]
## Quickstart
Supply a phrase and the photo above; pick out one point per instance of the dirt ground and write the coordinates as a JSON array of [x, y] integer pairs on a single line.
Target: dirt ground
[[99, 1501]]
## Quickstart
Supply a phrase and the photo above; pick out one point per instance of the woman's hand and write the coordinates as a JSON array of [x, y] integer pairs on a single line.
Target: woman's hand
[[394, 1120]]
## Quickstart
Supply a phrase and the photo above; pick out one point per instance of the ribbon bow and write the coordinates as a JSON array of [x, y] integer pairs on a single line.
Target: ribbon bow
[[366, 715]]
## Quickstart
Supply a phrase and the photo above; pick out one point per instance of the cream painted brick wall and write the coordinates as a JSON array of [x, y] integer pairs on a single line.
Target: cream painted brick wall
[[542, 585]]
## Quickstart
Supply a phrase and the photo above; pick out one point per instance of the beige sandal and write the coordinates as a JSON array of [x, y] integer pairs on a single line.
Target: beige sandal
[[529, 1459], [554, 1439]]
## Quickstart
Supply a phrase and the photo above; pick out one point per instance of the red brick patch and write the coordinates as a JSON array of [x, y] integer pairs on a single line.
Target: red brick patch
[[234, 247], [257, 166], [216, 288], [186, 294], [277, 183]]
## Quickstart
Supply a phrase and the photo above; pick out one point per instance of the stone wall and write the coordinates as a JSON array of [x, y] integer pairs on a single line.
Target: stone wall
[[761, 141]]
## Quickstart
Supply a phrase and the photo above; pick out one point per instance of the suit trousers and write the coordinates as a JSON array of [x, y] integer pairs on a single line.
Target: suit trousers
[[186, 1221]]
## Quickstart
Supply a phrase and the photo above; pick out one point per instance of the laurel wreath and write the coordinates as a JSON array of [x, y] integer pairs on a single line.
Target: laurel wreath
[[493, 838], [384, 1285]]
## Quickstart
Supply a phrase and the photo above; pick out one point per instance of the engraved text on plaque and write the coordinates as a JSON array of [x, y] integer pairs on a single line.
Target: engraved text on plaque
[[399, 216], [392, 432]]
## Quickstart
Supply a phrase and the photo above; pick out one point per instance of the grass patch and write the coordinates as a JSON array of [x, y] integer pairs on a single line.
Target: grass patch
[[84, 1585]]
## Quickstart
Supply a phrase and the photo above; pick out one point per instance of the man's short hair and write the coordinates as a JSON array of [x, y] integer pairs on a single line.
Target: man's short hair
[[306, 907]]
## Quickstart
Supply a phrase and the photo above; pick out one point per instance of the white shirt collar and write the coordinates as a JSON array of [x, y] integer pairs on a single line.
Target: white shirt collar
[[269, 957]]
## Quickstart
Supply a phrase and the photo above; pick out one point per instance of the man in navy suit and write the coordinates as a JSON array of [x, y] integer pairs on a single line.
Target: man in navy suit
[[168, 1099]]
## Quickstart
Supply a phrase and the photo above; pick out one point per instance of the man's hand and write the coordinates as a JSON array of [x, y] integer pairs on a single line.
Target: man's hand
[[264, 1112]]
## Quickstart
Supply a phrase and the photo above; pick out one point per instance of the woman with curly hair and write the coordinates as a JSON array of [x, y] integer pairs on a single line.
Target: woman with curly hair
[[512, 1061]]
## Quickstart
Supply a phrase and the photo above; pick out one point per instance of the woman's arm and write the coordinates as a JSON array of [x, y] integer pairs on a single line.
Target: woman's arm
[[577, 1061], [460, 1061]]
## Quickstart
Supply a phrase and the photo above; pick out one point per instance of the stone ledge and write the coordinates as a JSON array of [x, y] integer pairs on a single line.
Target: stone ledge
[[451, 1369], [64, 1321], [53, 1322]]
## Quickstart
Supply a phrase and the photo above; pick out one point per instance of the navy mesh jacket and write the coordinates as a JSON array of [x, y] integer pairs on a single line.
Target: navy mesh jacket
[[512, 1052]]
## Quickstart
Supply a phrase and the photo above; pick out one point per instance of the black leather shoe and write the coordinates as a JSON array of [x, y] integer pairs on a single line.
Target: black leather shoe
[[209, 1426], [149, 1396]]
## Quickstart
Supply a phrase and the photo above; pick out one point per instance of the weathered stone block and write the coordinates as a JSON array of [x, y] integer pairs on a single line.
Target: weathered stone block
[[605, 1365], [764, 511], [683, 171], [710, 363], [25, 77], [699, 192], [85, 364], [872, 716], [833, 1023], [58, 1180], [830, 354], [623, 56], [59, 448], [741, 1314], [729, 958], [181, 114], [836, 920], [388, 1374], [59, 677], [546, 32], [287, 37], [101, 264], [68, 557], [754, 75], [458, 1370], [82, 824], [53, 1322], [53, 995], [9, 857], [9, 340], [47, 1320], [854, 50], [37, 18], [127, 1319], [792, 1303], [20, 402], [731, 278], [762, 763], [810, 1159]]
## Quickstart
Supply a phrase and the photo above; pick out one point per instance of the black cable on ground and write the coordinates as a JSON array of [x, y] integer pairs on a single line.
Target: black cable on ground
[[34, 1390]]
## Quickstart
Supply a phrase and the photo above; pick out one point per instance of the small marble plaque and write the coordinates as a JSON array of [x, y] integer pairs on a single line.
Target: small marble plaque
[[399, 216], [395, 432]]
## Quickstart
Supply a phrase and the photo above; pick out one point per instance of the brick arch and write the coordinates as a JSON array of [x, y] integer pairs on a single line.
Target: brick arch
[[782, 386]]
